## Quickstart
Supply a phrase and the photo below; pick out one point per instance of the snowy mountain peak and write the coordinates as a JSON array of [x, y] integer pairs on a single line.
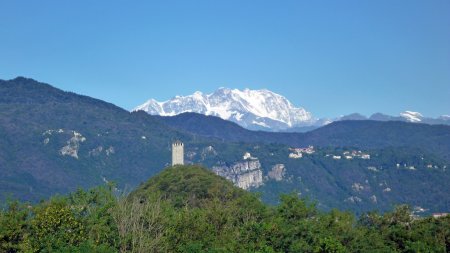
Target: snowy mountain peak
[[411, 116], [253, 109]]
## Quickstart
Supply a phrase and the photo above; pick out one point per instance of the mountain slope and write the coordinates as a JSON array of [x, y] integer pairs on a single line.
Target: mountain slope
[[53, 141], [211, 126], [252, 109], [376, 134], [358, 133]]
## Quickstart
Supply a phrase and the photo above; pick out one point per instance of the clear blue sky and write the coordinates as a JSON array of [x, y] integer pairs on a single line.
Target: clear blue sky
[[331, 57]]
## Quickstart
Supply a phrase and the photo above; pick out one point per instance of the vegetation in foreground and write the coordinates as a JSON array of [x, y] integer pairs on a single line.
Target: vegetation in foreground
[[189, 209]]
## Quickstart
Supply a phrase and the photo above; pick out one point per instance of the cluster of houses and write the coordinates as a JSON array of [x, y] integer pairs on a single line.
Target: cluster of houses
[[429, 166], [406, 166], [350, 155], [298, 152], [415, 214]]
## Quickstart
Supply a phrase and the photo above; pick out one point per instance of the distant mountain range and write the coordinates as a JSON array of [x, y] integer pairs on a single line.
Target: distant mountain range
[[52, 142], [263, 110], [252, 109]]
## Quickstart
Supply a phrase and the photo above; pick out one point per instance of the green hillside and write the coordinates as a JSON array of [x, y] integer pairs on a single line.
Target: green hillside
[[189, 209], [37, 121], [188, 186], [52, 142]]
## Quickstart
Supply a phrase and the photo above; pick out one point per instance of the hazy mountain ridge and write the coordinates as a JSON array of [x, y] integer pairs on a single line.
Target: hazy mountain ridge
[[406, 116]]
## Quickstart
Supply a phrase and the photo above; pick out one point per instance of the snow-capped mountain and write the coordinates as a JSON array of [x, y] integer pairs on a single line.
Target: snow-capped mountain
[[252, 109], [412, 116], [264, 110]]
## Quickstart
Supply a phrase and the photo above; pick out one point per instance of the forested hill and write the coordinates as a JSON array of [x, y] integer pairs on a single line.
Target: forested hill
[[365, 134], [53, 141], [190, 209]]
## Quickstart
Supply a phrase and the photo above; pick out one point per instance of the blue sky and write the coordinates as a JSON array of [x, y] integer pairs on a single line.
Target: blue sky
[[331, 57]]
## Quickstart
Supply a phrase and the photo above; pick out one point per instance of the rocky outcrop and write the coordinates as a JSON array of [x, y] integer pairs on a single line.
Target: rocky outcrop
[[73, 145], [277, 172], [245, 174], [357, 187], [110, 151], [250, 179], [96, 151], [353, 199], [208, 152]]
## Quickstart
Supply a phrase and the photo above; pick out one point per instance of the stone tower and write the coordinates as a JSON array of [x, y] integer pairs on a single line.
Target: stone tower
[[177, 153]]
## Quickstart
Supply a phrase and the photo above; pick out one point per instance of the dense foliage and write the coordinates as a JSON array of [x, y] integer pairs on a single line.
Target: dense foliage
[[189, 209]]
